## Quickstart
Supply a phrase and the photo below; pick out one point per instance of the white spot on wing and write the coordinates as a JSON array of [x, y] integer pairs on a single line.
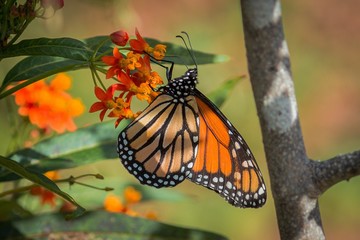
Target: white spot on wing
[[250, 163], [245, 164], [190, 165], [261, 191]]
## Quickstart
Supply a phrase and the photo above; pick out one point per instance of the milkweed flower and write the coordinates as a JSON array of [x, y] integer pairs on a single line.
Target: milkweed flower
[[106, 101], [159, 51], [132, 195], [115, 204], [46, 196], [49, 106], [134, 76], [115, 61], [140, 45], [118, 107]]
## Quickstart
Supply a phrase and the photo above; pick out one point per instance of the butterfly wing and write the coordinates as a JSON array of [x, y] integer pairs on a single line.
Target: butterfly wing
[[224, 162], [160, 145]]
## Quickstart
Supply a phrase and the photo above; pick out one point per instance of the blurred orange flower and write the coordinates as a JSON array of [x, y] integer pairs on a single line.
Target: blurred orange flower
[[151, 215], [48, 106], [46, 196], [113, 203], [132, 195]]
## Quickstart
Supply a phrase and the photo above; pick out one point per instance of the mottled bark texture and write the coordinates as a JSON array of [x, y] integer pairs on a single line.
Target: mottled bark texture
[[296, 181]]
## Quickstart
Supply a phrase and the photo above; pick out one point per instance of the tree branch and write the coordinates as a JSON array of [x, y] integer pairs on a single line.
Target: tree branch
[[296, 181], [271, 79], [339, 168]]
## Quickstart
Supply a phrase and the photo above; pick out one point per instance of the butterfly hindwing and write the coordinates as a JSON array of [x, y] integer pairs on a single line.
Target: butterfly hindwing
[[224, 162], [159, 146]]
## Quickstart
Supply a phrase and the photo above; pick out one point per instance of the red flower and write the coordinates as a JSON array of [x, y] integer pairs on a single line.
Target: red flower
[[113, 61], [106, 101], [139, 44]]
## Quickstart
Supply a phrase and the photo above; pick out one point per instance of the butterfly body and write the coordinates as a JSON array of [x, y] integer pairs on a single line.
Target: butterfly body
[[182, 134]]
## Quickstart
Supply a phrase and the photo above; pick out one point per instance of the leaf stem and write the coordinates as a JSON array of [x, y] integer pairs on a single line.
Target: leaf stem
[[94, 57]]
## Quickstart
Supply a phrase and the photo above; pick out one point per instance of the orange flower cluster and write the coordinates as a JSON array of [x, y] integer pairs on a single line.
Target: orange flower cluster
[[132, 196], [48, 106], [133, 74]]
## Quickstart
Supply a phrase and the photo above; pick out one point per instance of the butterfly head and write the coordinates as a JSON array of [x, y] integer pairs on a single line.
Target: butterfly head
[[192, 73]]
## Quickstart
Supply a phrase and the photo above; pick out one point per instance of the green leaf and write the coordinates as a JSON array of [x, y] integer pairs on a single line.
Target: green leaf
[[218, 96], [10, 209], [99, 225], [174, 52], [180, 55], [36, 68], [39, 66], [84, 146], [57, 47], [93, 43], [41, 180]]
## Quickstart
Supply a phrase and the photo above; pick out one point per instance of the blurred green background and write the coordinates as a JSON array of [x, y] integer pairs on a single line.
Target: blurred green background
[[323, 39]]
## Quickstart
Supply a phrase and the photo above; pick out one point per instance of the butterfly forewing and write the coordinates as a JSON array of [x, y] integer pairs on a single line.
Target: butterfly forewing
[[224, 162], [159, 146]]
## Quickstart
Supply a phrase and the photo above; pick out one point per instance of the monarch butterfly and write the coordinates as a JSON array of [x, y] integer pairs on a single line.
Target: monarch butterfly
[[182, 134]]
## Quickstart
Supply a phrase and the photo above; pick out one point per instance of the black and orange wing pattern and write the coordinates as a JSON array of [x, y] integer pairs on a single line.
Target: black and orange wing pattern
[[224, 162], [182, 134], [160, 145]]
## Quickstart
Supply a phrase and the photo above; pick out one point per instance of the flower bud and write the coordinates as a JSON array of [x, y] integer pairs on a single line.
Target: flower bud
[[120, 38]]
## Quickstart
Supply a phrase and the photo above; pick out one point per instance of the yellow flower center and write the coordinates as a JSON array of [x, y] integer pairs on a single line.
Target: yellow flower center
[[159, 51]]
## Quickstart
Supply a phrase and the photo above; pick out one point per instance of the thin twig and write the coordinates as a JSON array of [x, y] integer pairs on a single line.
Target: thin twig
[[71, 180]]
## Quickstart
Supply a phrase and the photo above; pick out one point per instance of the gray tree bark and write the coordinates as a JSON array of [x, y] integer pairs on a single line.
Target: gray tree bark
[[296, 180]]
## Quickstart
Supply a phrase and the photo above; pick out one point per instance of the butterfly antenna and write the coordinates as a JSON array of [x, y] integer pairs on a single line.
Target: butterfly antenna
[[191, 48], [188, 46]]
